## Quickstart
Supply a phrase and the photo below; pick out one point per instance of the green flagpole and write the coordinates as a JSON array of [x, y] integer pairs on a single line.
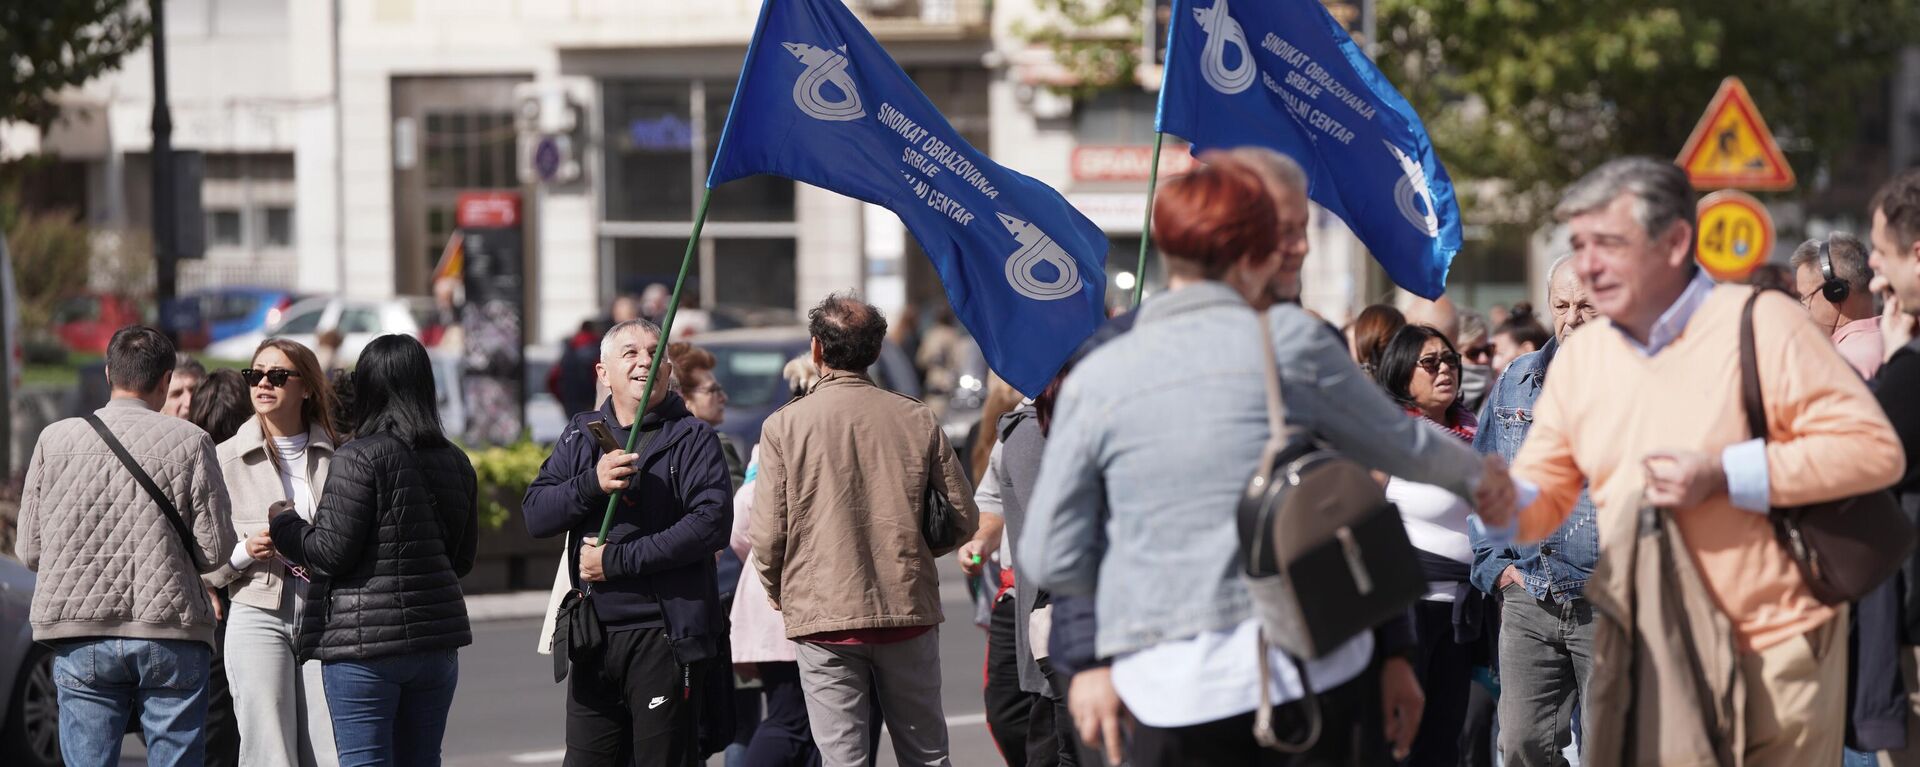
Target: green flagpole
[[659, 351], [1146, 227]]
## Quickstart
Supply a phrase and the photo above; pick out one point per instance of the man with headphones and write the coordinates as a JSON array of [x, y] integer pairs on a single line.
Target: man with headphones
[[1831, 277]]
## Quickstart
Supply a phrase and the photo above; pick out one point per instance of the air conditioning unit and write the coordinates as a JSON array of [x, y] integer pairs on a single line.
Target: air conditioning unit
[[544, 107], [548, 122]]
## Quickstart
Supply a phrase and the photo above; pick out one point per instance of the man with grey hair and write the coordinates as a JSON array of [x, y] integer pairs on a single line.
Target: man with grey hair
[[641, 688], [1711, 617], [840, 543], [1833, 280], [1286, 183], [1546, 628]]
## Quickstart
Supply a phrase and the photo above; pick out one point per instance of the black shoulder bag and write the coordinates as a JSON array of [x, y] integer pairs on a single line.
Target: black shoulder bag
[[577, 633], [1843, 548], [939, 520], [166, 506]]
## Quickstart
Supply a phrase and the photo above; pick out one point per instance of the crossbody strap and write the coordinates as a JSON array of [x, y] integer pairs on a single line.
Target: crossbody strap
[[1277, 441], [1263, 716], [1751, 398], [166, 506], [1276, 407]]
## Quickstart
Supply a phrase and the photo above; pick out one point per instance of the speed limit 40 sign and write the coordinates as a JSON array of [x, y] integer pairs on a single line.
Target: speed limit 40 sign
[[1736, 235]]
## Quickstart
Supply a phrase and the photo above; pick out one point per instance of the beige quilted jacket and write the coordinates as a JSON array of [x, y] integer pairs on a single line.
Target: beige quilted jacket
[[253, 484], [110, 564]]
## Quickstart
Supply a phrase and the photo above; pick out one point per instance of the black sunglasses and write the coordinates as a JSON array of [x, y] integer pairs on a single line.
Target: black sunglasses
[[1432, 364], [277, 376]]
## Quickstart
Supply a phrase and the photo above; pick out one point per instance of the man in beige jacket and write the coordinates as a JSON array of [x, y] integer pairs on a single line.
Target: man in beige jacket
[[837, 540], [119, 596]]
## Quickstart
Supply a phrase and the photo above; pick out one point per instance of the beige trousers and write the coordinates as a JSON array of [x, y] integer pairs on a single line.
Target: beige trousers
[[1796, 713]]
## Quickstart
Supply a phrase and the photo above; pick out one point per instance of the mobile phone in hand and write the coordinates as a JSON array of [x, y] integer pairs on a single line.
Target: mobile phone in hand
[[603, 435]]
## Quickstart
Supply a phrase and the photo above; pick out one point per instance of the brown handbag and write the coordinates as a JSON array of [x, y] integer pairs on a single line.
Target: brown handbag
[[1844, 548], [1323, 554]]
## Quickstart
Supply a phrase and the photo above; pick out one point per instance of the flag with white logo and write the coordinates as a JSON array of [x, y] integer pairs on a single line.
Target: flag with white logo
[[1283, 74], [820, 101]]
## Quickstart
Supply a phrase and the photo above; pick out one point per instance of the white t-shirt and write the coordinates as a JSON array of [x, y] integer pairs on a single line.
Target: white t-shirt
[[1436, 522], [1216, 675]]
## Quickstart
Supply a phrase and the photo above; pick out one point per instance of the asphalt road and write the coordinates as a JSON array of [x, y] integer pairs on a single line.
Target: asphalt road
[[509, 713]]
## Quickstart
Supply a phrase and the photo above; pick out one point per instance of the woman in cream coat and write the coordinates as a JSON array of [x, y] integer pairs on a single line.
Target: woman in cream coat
[[279, 456]]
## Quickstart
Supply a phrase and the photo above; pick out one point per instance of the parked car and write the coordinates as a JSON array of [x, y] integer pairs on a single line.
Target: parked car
[[359, 321], [748, 364], [30, 709], [85, 323], [230, 312]]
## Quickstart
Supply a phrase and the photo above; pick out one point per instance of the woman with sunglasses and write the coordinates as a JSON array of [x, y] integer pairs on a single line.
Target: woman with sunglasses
[[280, 456], [1421, 371], [393, 533]]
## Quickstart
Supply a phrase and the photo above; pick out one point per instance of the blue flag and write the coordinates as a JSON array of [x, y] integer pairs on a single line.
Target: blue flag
[[1283, 74], [820, 101]]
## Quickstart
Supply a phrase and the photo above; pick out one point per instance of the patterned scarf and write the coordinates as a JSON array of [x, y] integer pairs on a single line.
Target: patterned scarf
[[1465, 423]]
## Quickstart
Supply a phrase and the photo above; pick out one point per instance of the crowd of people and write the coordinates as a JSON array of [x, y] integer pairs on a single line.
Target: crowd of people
[[1585, 543], [320, 539]]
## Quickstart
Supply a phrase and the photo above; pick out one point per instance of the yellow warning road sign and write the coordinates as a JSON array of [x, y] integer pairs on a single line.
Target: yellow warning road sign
[[1736, 235], [1731, 148]]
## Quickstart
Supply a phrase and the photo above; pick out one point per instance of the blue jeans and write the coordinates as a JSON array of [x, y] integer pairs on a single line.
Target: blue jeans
[[393, 710], [100, 681]]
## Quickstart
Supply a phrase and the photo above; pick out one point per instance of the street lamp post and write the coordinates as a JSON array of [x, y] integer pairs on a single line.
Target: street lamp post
[[165, 245]]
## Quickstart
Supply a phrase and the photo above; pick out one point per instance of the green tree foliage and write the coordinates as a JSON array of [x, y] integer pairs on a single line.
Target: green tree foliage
[[50, 45], [1097, 41], [50, 253], [1536, 93]]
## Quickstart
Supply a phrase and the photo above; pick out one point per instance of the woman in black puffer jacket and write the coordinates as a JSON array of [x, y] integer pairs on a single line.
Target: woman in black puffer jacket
[[394, 532]]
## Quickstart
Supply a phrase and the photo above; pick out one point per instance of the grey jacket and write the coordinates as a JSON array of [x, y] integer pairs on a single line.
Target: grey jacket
[[253, 484], [110, 564], [1012, 470], [1153, 440]]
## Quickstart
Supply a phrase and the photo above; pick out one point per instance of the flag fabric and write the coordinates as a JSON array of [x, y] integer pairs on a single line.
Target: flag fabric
[[1283, 74], [820, 101]]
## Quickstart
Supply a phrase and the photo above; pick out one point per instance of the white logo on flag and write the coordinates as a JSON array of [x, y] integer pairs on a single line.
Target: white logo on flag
[[824, 66], [1411, 194], [1037, 247], [1222, 30]]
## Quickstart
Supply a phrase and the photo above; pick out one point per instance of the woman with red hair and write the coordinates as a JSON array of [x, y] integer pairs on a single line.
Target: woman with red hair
[[1151, 443]]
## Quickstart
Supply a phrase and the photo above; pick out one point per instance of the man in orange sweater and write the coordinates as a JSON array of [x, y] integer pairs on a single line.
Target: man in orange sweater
[[1647, 410]]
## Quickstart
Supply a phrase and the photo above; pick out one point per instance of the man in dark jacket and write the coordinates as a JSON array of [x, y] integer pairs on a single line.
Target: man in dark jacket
[[572, 379], [1896, 260], [633, 698]]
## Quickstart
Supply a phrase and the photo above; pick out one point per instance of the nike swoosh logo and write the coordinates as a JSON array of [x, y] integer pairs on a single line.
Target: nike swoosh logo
[[656, 702]]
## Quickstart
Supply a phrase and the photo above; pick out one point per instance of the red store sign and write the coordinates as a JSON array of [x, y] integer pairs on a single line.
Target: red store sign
[[487, 210], [1128, 162]]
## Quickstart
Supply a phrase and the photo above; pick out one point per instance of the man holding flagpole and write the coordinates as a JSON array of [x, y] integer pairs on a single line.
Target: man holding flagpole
[[641, 685]]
